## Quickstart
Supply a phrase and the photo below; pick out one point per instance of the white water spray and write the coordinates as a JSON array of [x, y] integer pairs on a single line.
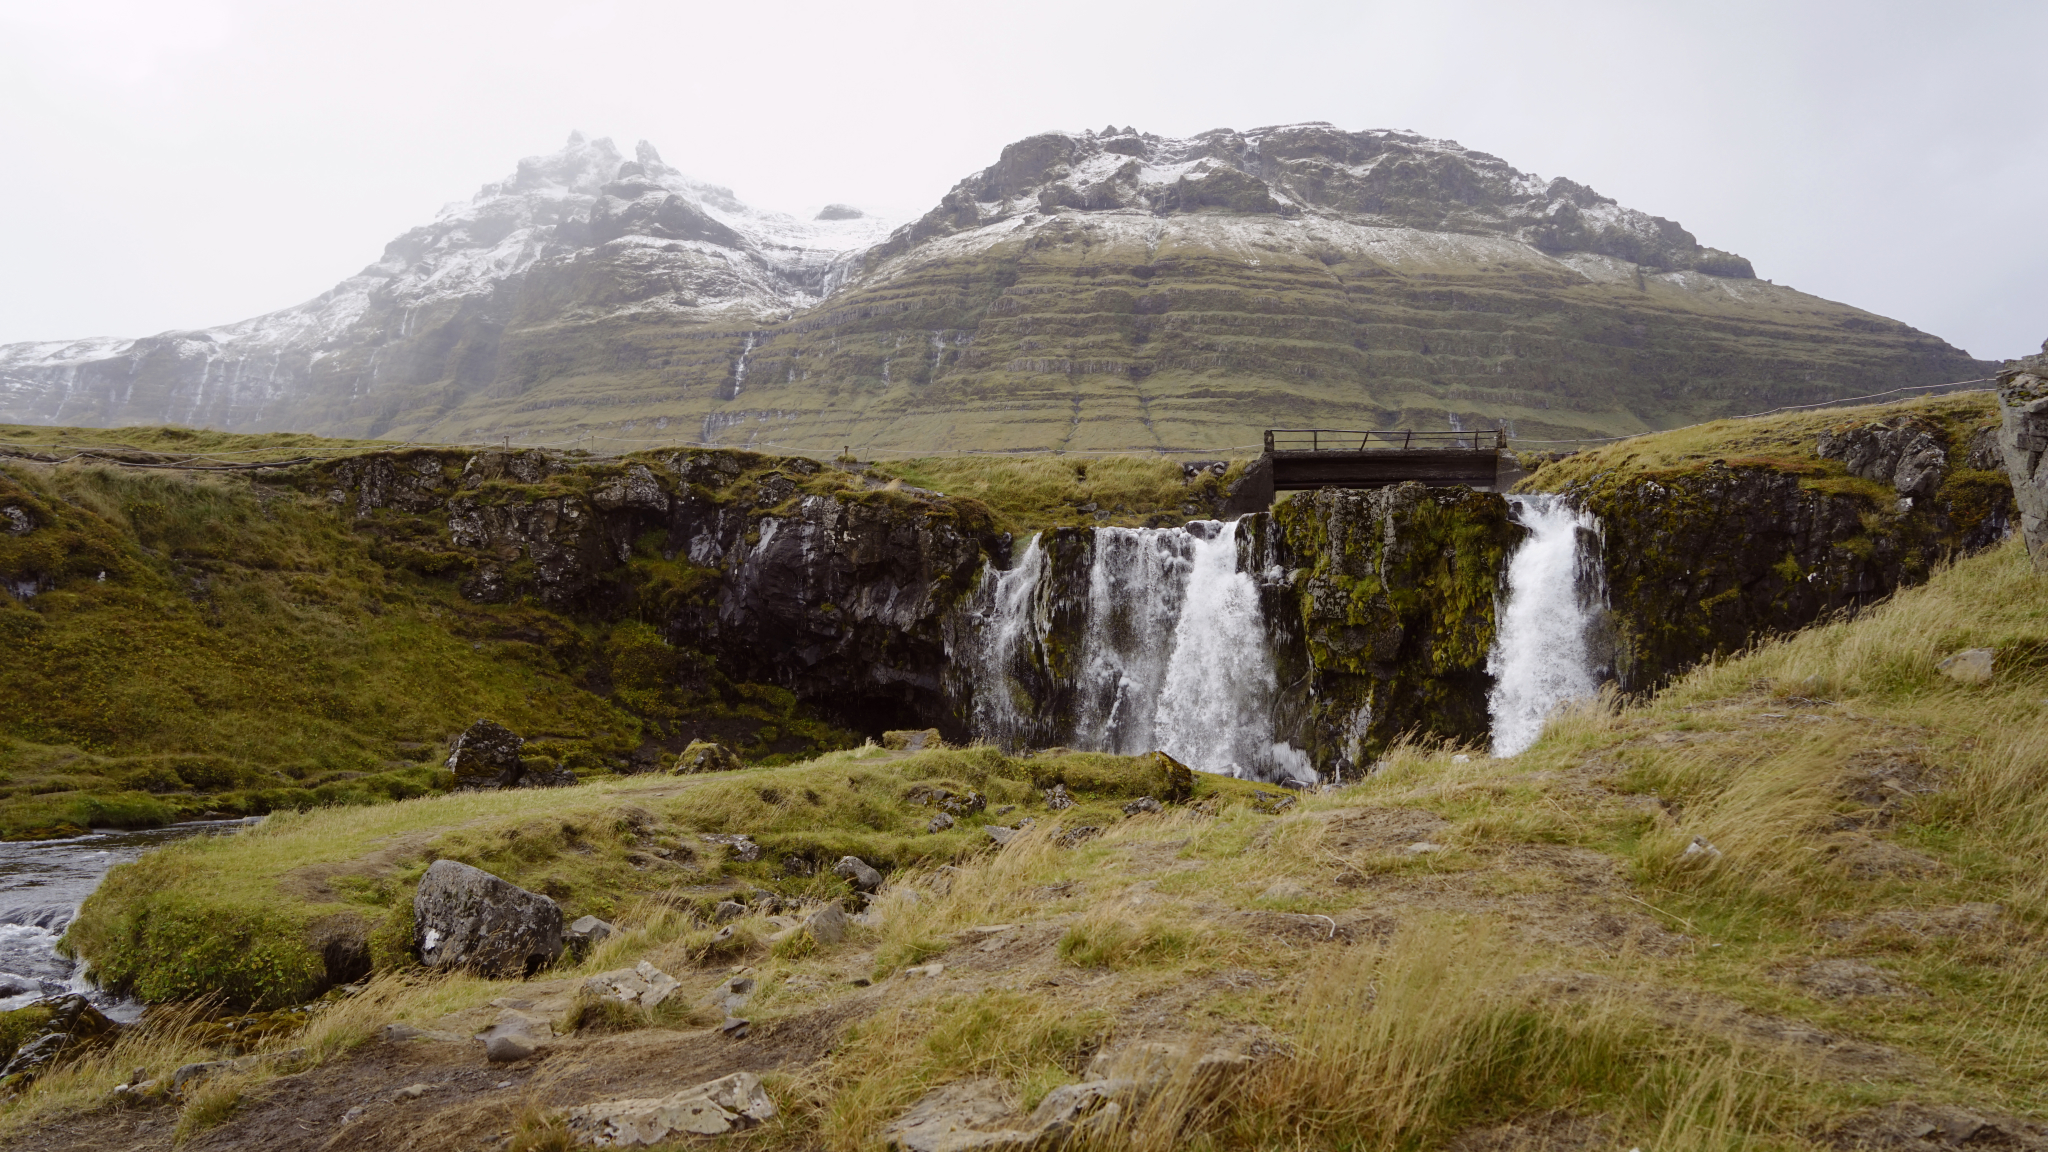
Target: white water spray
[[1543, 656]]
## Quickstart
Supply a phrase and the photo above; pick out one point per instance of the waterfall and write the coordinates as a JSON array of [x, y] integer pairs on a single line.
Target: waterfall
[[1171, 653], [1543, 655]]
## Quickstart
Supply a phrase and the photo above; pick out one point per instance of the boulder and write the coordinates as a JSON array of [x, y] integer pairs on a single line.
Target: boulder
[[642, 985], [1057, 797], [464, 917], [703, 756], [2023, 438], [1173, 781], [858, 873], [1970, 666], [515, 1036], [939, 823], [827, 925], [1143, 806], [920, 740], [486, 755]]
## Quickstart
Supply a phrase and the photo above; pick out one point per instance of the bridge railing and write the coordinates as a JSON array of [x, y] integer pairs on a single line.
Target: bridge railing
[[1398, 439]]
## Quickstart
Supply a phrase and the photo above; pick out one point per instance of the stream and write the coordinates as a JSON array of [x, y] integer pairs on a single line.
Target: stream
[[42, 884]]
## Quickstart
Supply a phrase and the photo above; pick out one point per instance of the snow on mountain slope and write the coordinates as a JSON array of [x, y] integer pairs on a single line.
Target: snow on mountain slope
[[674, 246]]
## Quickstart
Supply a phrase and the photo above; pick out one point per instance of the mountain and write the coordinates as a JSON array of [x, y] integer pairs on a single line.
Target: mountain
[[1092, 290]]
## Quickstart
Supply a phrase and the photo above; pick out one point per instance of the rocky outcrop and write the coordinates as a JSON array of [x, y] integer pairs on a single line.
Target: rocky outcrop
[[727, 1104], [1905, 453], [835, 592], [59, 1028], [1387, 615], [466, 918], [2023, 440], [1702, 562]]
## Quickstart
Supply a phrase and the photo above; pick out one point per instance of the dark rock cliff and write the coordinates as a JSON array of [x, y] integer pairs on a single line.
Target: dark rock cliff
[[1702, 562], [1383, 624], [779, 570]]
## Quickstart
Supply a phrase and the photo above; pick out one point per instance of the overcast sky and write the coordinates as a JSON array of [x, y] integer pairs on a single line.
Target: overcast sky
[[182, 163]]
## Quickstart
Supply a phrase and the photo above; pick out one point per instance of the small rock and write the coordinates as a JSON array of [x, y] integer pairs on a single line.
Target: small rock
[[728, 1104], [1423, 847], [1057, 798], [740, 844], [194, 1072], [939, 823], [1970, 666], [1142, 806], [735, 1028], [1461, 758], [827, 925], [1700, 850], [703, 756], [464, 917], [1000, 834], [411, 1092], [1075, 837], [727, 910], [1280, 890], [586, 933], [516, 1036], [1005, 810], [925, 970], [858, 873]]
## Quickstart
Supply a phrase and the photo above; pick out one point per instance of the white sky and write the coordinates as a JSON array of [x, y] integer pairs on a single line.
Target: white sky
[[182, 163]]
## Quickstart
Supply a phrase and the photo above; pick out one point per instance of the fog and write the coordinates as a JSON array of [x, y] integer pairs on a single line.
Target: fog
[[182, 163]]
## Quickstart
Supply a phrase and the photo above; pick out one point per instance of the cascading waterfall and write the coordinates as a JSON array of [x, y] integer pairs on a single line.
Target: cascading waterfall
[[1172, 654], [1543, 654]]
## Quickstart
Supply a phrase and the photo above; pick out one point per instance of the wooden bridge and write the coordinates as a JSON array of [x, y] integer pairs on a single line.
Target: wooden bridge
[[1304, 459]]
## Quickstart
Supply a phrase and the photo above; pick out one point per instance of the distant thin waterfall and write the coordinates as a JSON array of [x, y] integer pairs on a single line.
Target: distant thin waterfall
[[1170, 654], [1543, 654]]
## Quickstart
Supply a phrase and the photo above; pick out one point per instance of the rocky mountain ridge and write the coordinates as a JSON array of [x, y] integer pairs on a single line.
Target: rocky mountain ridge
[[1093, 290]]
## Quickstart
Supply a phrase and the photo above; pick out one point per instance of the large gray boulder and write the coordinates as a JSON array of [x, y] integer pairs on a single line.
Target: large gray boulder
[[2023, 437], [464, 917]]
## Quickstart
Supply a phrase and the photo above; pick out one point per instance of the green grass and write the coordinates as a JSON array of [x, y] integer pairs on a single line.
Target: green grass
[[238, 916], [1032, 493]]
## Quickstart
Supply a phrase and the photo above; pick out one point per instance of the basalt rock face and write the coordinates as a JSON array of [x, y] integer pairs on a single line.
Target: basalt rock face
[[2023, 442], [1099, 290], [837, 594], [1706, 562], [1386, 616]]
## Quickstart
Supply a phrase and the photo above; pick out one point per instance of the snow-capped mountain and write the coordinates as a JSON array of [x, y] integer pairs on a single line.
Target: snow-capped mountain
[[664, 244], [1099, 289]]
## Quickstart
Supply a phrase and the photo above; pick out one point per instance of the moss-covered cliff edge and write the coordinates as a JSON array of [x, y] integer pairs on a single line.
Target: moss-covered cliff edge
[[1720, 536]]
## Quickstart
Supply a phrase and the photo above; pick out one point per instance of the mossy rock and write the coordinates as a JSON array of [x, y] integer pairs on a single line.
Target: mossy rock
[[913, 740], [703, 756]]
